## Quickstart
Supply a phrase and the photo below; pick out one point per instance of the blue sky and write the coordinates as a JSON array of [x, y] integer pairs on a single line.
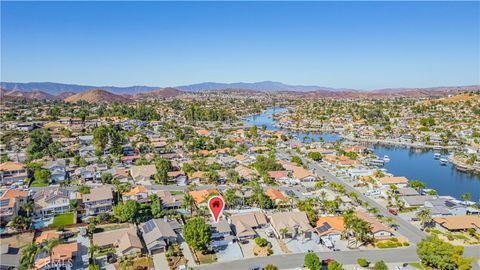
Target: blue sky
[[363, 45]]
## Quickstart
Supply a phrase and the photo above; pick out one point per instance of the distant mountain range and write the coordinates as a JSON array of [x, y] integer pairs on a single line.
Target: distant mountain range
[[93, 94], [265, 86]]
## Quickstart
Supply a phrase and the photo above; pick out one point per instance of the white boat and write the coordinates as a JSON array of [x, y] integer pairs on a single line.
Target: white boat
[[386, 158], [436, 155], [443, 161]]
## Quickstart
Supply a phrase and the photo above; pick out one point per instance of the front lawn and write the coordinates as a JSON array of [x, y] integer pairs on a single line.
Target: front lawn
[[36, 183], [176, 192], [206, 258], [62, 220]]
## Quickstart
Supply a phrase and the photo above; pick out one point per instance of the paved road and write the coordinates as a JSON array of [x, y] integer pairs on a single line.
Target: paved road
[[397, 255], [345, 257], [405, 228]]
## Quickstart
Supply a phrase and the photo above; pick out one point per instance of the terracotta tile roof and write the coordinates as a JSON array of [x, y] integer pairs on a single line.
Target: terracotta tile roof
[[274, 195], [136, 190], [459, 222], [300, 173], [202, 132], [277, 174], [334, 224], [393, 180], [47, 235], [11, 166], [200, 195]]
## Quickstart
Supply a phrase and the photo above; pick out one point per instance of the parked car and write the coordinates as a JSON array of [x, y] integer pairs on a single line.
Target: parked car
[[111, 258], [270, 233], [392, 211], [326, 261], [255, 268], [243, 241]]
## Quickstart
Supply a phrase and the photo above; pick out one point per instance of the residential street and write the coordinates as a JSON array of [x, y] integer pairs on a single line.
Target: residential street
[[293, 260], [404, 227]]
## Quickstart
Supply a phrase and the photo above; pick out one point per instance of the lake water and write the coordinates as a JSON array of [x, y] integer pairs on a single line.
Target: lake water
[[407, 162]]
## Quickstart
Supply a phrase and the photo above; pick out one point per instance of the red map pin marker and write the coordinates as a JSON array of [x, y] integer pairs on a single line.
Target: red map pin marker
[[216, 205]]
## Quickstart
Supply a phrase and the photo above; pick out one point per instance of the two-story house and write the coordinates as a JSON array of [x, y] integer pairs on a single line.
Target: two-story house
[[10, 202], [138, 193], [99, 200], [12, 172], [48, 203], [158, 234], [57, 169]]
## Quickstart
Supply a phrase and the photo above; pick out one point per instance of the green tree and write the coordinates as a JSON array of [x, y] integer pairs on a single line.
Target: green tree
[[106, 178], [438, 254], [466, 196], [155, 206], [334, 265], [416, 184], [380, 265], [270, 267], [424, 216], [42, 176], [362, 262], [40, 140], [311, 261], [100, 139], [163, 166], [197, 233], [126, 211], [314, 156], [297, 160]]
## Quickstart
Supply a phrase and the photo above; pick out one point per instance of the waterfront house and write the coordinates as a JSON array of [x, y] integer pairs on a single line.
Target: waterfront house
[[10, 202], [12, 172], [407, 191], [417, 200], [296, 223], [48, 203], [99, 200], [458, 223], [157, 234], [444, 206], [244, 224], [399, 181], [125, 241]]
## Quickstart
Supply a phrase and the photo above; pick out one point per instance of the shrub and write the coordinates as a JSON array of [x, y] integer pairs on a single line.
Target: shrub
[[362, 262], [380, 265], [270, 267], [406, 244], [261, 242]]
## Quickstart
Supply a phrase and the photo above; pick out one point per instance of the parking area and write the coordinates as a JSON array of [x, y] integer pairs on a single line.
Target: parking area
[[301, 245], [229, 252]]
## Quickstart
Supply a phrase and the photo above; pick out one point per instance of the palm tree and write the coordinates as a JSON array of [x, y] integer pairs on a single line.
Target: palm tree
[[283, 231], [424, 216], [92, 249], [189, 203], [466, 197], [27, 207], [230, 198], [50, 244], [28, 256]]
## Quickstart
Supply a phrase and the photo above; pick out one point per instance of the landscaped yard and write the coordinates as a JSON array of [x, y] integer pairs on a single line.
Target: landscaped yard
[[176, 192], [416, 265], [206, 258], [36, 183], [62, 220]]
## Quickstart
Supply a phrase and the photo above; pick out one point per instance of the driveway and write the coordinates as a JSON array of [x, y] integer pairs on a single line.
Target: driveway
[[300, 245], [229, 252], [160, 261], [247, 249], [275, 246], [82, 258], [186, 251]]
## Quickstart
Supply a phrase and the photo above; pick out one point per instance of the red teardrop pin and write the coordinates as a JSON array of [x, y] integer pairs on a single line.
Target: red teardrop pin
[[216, 205]]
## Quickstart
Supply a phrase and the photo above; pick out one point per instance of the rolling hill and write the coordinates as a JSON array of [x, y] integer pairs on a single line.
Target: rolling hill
[[97, 96]]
